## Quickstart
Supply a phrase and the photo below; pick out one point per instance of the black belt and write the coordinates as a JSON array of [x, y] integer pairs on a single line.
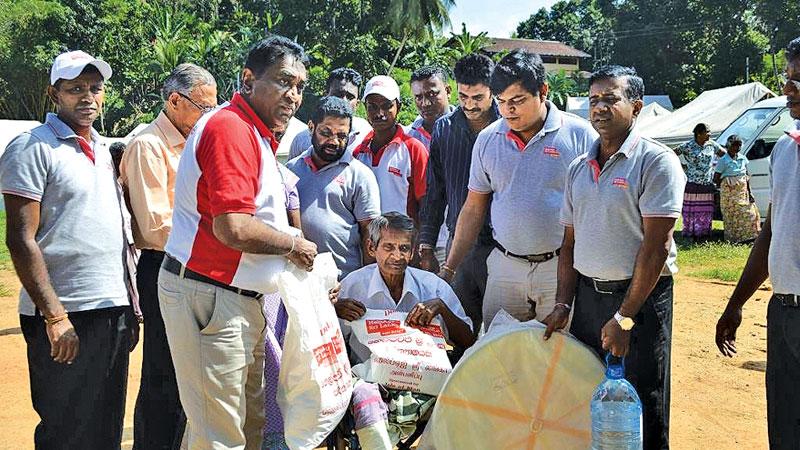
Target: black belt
[[172, 265], [540, 258], [791, 300], [607, 286]]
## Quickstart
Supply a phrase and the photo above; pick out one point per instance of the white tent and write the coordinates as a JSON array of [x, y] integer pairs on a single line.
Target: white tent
[[716, 108], [9, 129], [651, 113], [580, 105]]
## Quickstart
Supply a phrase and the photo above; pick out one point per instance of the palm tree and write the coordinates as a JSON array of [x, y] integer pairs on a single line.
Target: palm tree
[[417, 19]]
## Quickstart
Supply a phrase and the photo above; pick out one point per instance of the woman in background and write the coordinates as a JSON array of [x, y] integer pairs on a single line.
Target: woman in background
[[739, 212], [698, 197]]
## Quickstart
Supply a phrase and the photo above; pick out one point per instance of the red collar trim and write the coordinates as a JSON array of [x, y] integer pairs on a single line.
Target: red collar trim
[[310, 162], [365, 148], [421, 130], [795, 135], [239, 102], [516, 140], [595, 166]]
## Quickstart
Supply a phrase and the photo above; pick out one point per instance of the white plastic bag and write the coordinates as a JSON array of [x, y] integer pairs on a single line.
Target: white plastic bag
[[402, 357], [315, 383]]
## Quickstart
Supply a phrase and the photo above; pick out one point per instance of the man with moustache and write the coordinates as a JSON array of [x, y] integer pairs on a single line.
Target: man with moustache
[[344, 83], [519, 164], [452, 141], [338, 194], [776, 254], [397, 159], [621, 201], [230, 239], [75, 303], [148, 170]]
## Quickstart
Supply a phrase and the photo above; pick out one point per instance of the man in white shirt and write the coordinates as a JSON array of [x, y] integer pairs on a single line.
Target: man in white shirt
[[391, 284]]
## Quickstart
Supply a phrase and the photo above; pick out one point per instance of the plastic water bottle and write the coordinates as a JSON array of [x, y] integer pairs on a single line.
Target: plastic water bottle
[[616, 411]]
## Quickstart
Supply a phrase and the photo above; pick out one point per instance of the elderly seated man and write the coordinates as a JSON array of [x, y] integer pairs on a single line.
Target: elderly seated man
[[384, 416]]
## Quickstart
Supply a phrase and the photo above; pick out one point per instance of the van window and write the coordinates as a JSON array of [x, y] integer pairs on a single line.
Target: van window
[[762, 146], [747, 125]]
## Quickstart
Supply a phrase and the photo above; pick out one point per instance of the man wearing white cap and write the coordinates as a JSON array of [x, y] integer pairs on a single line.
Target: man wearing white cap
[[75, 304], [398, 160]]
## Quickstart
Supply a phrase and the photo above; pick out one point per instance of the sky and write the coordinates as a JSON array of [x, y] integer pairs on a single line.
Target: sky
[[499, 18]]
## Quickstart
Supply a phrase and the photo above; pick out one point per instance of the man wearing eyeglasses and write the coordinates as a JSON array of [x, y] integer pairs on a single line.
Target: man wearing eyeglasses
[[339, 195], [148, 172], [776, 254]]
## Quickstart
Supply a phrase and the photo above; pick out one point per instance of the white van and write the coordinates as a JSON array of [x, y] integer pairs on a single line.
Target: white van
[[759, 127]]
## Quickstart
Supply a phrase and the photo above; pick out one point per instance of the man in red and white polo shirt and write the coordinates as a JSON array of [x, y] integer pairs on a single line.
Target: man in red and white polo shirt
[[398, 160], [230, 238]]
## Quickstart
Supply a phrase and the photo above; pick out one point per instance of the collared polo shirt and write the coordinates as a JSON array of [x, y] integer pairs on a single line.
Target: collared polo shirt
[[80, 230], [302, 141], [228, 166], [417, 129], [526, 181], [366, 285], [730, 167], [333, 199], [148, 169], [606, 207], [784, 249], [399, 168]]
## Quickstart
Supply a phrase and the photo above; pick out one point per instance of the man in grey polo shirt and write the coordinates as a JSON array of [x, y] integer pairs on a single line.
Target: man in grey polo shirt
[[519, 164], [621, 202], [338, 194], [776, 253], [74, 306]]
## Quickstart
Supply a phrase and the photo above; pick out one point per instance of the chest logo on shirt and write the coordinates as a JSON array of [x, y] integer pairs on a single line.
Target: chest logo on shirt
[[620, 182], [340, 180], [395, 171], [552, 152]]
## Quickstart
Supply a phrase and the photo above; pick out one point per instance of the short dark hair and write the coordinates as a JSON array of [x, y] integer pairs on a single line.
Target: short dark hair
[[391, 220], [425, 72], [733, 139], [700, 128], [635, 89], [519, 66], [793, 49], [345, 74], [330, 106], [268, 51], [474, 69]]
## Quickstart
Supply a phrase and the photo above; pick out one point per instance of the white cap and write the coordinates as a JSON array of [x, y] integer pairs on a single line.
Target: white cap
[[383, 86], [69, 65]]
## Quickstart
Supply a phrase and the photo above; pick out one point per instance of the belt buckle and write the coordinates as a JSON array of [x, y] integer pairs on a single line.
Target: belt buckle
[[597, 289], [789, 300]]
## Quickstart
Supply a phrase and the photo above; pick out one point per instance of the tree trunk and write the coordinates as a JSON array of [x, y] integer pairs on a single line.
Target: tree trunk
[[397, 54]]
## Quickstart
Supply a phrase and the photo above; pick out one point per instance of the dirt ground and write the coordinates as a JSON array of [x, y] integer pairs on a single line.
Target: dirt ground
[[717, 403]]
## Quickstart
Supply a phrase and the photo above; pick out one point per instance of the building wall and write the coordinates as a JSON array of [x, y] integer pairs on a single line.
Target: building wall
[[568, 68]]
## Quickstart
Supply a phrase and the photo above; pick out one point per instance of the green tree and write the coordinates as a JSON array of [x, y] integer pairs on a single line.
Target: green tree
[[416, 19], [560, 86]]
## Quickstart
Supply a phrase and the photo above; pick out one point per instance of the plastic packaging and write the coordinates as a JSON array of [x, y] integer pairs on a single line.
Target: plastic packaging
[[616, 411]]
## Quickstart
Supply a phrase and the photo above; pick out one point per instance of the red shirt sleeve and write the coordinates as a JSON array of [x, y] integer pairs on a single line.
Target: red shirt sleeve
[[229, 157], [419, 166]]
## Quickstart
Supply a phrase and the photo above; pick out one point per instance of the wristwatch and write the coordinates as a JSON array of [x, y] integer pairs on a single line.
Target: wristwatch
[[626, 323]]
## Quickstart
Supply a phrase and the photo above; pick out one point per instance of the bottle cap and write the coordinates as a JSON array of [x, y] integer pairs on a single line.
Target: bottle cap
[[615, 367]]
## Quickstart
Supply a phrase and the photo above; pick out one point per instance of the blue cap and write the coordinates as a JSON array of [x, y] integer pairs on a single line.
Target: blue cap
[[615, 367]]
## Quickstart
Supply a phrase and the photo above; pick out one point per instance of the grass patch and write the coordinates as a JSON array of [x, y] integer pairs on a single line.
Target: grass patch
[[713, 260]]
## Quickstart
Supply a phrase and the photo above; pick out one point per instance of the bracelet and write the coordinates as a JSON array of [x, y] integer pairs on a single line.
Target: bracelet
[[291, 249], [447, 268], [56, 319], [569, 307]]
